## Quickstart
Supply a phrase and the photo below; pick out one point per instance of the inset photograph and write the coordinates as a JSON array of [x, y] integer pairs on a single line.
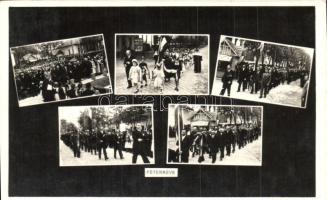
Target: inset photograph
[[106, 135], [162, 64], [214, 135], [263, 71], [60, 70]]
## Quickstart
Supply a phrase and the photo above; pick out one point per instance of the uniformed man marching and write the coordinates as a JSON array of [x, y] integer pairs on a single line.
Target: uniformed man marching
[[220, 142], [128, 64], [117, 143], [138, 144], [102, 146], [227, 80]]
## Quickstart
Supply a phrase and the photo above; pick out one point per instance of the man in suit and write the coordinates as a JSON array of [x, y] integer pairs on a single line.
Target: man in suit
[[138, 144]]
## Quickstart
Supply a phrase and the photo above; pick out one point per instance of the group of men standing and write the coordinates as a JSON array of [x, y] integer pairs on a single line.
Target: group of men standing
[[262, 79], [97, 140], [223, 139], [59, 78]]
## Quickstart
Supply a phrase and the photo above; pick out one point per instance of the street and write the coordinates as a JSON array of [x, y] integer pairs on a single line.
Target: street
[[87, 159], [190, 83], [282, 94]]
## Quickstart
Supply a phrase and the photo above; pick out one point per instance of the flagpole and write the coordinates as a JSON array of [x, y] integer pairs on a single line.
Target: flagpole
[[179, 135], [159, 50]]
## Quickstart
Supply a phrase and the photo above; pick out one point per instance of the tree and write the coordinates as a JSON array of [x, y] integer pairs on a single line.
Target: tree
[[47, 48], [20, 52], [132, 115], [85, 121], [63, 126], [99, 117]]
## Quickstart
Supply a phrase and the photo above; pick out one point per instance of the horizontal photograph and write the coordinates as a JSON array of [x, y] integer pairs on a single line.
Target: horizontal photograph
[[263, 71], [162, 64], [106, 135], [214, 135], [60, 70]]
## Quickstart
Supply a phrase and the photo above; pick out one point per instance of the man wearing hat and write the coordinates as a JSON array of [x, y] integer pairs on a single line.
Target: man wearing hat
[[102, 145]]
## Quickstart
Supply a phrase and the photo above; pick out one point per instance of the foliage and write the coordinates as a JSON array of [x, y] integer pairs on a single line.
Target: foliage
[[85, 121], [291, 56], [66, 127], [131, 115]]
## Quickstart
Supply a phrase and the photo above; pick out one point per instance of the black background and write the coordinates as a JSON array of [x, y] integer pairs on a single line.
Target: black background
[[288, 167]]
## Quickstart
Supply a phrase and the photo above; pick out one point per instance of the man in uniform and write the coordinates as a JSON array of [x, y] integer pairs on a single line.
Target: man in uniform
[[171, 69], [117, 143], [228, 140], [213, 144], [148, 142], [102, 145], [220, 142], [75, 143], [128, 64], [86, 68], [186, 143], [138, 144], [227, 80], [242, 77], [93, 141], [265, 82], [234, 138]]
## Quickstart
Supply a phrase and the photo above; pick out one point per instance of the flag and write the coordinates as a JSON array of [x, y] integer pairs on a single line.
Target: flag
[[163, 43], [178, 119], [262, 44]]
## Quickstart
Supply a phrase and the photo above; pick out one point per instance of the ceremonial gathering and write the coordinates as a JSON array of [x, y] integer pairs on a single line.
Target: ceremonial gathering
[[162, 64], [263, 71], [106, 135], [215, 135], [60, 70]]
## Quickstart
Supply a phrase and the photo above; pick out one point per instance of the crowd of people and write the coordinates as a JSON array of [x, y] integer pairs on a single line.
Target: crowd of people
[[97, 141], [262, 79], [60, 79], [224, 139], [170, 65]]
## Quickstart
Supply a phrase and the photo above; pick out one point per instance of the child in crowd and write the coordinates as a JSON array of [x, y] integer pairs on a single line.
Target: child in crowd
[[159, 77], [135, 75], [145, 71]]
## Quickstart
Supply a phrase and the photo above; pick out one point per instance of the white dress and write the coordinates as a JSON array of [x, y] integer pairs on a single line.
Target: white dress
[[135, 74], [159, 78]]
